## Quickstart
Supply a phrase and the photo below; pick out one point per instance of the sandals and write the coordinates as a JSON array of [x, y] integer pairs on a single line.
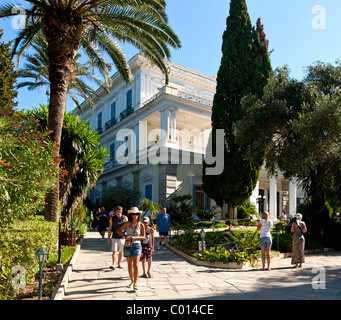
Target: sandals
[[149, 274], [134, 286]]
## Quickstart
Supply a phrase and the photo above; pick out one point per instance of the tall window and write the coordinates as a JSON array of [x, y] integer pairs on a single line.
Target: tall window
[[113, 110], [126, 138], [129, 100], [112, 152], [199, 196], [99, 121], [148, 191]]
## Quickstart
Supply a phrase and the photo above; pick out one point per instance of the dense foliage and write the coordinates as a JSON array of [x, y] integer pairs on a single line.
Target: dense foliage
[[119, 196], [97, 27], [82, 156], [301, 120], [27, 165], [7, 76], [18, 244], [27, 168]]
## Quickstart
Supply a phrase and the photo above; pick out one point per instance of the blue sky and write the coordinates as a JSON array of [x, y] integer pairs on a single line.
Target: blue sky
[[291, 27]]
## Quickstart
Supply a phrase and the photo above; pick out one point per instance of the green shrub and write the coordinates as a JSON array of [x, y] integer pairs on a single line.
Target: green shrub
[[180, 209], [219, 254], [247, 240], [206, 214], [281, 225], [246, 210], [285, 241], [65, 256], [47, 289], [18, 244]]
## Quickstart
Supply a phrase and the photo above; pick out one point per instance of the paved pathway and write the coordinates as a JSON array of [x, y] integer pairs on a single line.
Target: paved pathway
[[174, 278]]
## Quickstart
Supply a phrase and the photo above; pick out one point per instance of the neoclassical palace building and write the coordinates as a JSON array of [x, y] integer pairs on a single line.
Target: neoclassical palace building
[[158, 136]]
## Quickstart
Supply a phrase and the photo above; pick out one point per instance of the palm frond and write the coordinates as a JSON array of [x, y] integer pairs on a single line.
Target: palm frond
[[108, 44], [26, 37]]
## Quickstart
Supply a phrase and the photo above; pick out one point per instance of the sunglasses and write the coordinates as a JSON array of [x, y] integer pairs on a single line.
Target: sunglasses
[[135, 214]]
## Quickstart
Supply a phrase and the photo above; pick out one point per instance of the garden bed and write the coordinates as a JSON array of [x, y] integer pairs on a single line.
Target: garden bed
[[51, 277], [231, 265], [246, 254], [245, 239]]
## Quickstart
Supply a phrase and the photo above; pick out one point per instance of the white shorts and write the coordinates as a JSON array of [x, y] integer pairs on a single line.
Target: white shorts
[[117, 245]]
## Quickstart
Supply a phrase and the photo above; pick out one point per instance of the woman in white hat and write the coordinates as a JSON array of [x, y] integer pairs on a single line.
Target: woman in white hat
[[134, 233]]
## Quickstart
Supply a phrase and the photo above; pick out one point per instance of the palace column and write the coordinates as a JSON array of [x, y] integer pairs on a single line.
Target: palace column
[[292, 198], [164, 124], [173, 125], [273, 198]]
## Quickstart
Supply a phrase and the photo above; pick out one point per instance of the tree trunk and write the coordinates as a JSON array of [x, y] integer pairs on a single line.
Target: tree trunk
[[62, 48], [232, 211]]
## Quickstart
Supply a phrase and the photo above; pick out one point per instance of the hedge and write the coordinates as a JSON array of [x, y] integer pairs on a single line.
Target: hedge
[[18, 244]]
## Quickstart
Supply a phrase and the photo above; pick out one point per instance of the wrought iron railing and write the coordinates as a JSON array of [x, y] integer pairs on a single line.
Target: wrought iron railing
[[126, 113], [110, 123]]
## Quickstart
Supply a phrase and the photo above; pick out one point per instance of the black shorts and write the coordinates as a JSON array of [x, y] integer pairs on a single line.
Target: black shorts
[[163, 233]]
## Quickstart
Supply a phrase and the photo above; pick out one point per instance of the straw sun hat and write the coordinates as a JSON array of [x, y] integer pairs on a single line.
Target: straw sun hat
[[134, 210]]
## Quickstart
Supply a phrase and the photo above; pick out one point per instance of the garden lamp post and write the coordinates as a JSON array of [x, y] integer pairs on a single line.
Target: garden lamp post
[[41, 257], [277, 230], [202, 234]]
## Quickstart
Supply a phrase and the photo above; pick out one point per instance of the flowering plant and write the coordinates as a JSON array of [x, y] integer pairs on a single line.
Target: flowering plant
[[245, 239], [27, 166]]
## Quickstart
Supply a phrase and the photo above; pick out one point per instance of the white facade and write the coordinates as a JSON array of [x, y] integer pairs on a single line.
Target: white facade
[[157, 136]]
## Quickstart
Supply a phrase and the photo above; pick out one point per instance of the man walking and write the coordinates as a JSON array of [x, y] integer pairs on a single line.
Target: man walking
[[146, 213], [103, 218], [117, 241], [163, 227]]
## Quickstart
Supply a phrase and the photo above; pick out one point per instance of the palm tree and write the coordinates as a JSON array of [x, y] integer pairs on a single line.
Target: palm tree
[[36, 70], [83, 157], [97, 26]]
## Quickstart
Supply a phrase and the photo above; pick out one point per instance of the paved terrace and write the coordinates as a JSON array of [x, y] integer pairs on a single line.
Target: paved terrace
[[174, 278]]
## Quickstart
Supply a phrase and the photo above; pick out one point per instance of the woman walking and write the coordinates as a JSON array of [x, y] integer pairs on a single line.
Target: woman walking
[[298, 227], [265, 226], [147, 248], [132, 248]]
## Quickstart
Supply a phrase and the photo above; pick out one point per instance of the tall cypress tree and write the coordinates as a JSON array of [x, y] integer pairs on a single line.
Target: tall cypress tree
[[7, 77], [244, 69]]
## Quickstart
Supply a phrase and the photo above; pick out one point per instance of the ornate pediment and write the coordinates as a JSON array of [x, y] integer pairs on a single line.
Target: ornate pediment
[[147, 177]]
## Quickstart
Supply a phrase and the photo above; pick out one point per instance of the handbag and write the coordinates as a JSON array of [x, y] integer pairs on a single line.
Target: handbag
[[300, 229], [127, 243]]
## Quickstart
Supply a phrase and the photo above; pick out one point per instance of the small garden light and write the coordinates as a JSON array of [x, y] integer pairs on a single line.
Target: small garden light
[[41, 258]]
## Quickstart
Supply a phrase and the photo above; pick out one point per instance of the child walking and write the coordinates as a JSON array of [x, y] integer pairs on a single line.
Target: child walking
[[147, 248]]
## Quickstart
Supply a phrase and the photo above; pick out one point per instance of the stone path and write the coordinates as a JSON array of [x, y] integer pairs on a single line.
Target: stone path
[[176, 279]]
